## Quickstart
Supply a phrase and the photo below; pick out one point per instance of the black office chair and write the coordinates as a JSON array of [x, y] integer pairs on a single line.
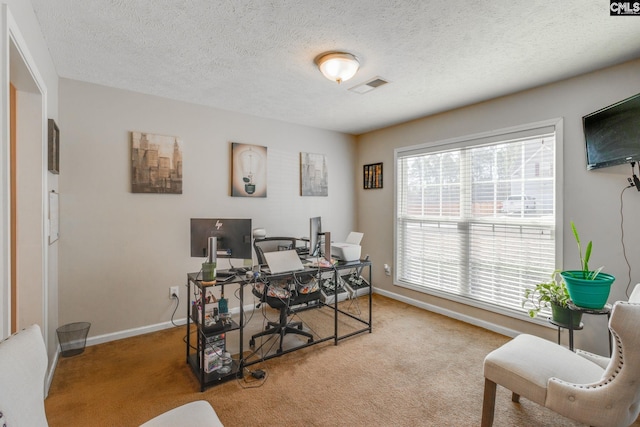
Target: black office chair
[[289, 301]]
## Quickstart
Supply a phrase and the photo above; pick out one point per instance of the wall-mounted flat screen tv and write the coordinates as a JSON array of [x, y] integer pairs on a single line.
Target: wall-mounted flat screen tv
[[612, 134]]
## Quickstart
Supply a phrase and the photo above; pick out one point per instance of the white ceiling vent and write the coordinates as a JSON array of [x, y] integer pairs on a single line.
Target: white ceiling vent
[[372, 84]]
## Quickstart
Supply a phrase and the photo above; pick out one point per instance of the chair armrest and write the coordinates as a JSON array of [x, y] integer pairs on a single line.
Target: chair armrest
[[601, 361], [597, 404], [198, 413], [635, 295]]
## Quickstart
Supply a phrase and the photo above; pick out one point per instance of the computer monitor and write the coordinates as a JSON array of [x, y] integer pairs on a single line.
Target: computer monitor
[[233, 237], [315, 230]]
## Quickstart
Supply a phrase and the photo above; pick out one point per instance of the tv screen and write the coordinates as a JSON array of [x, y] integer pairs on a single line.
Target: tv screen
[[612, 134], [233, 237]]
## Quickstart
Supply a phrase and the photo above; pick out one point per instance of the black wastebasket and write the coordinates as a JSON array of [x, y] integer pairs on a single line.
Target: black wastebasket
[[73, 337]]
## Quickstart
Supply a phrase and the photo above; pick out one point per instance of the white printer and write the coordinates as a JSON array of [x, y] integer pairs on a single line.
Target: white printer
[[350, 249]]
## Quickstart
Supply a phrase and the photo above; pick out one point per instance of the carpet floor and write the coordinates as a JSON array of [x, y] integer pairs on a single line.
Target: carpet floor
[[416, 368]]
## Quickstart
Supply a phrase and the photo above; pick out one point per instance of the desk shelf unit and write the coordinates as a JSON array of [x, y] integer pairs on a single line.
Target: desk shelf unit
[[195, 352], [210, 336]]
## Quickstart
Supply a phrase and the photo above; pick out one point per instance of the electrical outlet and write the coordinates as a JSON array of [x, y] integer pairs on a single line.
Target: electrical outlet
[[387, 270], [173, 292]]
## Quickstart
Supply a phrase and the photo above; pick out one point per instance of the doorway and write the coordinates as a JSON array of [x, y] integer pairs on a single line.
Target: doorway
[[27, 191]]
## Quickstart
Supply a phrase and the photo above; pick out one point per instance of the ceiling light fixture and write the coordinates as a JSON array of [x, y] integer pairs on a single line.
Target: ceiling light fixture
[[337, 66]]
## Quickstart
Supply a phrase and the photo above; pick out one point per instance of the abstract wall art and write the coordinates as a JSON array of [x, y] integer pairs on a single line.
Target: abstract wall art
[[314, 177], [156, 163]]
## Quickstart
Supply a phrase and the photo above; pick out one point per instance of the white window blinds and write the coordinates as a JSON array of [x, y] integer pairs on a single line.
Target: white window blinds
[[476, 218]]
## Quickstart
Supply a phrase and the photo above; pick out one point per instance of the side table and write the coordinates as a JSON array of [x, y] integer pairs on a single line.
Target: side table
[[606, 310], [570, 328]]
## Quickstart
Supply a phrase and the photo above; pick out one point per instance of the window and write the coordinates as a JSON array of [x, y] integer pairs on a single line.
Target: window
[[476, 217]]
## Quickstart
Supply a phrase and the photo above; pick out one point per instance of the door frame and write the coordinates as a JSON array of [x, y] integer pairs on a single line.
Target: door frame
[[11, 40]]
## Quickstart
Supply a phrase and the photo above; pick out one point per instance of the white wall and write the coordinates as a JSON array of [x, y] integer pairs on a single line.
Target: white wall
[[591, 198], [119, 251]]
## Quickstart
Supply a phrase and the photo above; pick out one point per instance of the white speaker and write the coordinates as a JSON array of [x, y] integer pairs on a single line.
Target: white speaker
[[212, 250]]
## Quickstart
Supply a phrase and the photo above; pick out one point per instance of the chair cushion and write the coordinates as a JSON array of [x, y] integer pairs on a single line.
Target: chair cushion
[[198, 413], [276, 289], [525, 364], [23, 366]]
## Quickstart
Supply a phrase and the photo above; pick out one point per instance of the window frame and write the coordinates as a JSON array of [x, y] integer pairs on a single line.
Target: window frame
[[468, 141]]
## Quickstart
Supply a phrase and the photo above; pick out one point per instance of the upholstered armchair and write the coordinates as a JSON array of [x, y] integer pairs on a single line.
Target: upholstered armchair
[[594, 390], [23, 366]]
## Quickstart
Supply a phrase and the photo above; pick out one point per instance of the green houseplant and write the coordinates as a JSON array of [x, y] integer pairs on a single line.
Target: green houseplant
[[587, 288], [552, 294]]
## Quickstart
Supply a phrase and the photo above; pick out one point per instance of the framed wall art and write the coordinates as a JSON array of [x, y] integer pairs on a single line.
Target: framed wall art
[[372, 176], [248, 170], [54, 147], [314, 179], [156, 163]]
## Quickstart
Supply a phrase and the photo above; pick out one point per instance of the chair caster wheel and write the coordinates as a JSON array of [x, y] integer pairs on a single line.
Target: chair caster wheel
[[300, 327], [310, 341], [252, 343]]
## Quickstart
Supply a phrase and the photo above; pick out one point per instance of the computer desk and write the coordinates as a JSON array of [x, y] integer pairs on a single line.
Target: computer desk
[[199, 359]]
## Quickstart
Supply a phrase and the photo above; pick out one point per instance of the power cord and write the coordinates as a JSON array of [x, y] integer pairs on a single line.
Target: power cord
[[259, 376], [624, 250], [177, 298]]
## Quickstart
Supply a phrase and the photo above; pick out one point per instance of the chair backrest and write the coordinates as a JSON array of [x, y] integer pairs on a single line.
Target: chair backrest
[[272, 244], [23, 367], [622, 375], [614, 400]]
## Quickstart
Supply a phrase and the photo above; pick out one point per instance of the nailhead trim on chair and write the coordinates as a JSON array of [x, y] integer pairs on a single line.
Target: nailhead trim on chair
[[607, 380]]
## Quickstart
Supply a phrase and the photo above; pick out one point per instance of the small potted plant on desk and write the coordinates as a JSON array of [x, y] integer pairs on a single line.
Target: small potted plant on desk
[[587, 288], [552, 294]]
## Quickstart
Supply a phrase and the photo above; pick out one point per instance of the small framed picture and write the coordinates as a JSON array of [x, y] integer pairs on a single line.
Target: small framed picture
[[54, 147], [372, 176]]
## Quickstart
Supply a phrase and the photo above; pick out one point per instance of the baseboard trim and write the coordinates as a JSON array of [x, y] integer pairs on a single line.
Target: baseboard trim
[[50, 372], [100, 339], [449, 313], [114, 336]]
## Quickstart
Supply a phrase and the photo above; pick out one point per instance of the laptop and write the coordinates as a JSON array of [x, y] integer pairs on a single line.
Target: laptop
[[283, 261]]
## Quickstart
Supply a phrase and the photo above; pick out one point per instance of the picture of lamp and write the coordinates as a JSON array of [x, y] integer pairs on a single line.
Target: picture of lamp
[[249, 164], [249, 170]]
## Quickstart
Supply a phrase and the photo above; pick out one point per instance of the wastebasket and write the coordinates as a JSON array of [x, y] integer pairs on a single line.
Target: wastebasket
[[73, 337]]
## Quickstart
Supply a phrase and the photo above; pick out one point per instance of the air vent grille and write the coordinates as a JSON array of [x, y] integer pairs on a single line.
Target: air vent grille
[[372, 84], [376, 83]]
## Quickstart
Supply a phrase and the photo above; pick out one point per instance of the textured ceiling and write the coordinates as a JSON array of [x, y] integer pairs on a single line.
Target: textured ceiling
[[256, 57]]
